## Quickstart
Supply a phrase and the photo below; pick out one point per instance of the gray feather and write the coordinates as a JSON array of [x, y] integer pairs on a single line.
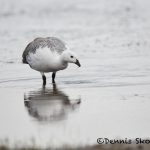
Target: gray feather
[[53, 43]]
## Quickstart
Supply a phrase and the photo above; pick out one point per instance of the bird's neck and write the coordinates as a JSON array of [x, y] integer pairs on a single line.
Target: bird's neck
[[62, 62]]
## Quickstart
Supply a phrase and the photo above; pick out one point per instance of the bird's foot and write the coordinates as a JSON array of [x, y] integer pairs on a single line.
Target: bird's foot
[[53, 81], [53, 77]]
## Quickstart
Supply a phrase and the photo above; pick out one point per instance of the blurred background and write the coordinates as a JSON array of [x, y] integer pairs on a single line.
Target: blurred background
[[107, 97]]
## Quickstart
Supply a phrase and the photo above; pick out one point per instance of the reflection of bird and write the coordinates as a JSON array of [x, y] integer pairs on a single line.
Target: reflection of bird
[[49, 105], [48, 55]]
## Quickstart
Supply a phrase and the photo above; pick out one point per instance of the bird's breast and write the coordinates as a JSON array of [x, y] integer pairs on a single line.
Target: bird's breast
[[45, 60]]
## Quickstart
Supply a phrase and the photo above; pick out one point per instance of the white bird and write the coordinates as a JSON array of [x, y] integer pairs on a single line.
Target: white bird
[[48, 55]]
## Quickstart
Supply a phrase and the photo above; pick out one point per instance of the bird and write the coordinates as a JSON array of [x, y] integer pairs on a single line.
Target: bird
[[48, 54]]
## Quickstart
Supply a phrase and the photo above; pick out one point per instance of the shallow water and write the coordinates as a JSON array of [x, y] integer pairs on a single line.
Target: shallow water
[[107, 97]]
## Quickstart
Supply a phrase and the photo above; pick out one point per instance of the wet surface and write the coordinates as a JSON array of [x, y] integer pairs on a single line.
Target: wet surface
[[49, 104], [107, 97]]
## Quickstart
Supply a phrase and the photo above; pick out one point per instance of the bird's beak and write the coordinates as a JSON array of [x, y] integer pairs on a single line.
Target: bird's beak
[[78, 63]]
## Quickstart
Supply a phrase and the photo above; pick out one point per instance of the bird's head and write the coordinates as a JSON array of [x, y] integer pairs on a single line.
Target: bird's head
[[70, 57]]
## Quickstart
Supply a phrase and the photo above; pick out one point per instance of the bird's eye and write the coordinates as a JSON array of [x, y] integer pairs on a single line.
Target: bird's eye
[[71, 56]]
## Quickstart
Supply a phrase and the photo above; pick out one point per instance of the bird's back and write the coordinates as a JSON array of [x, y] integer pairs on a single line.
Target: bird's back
[[53, 43]]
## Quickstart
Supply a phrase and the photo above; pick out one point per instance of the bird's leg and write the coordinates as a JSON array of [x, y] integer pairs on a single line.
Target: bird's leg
[[53, 77], [44, 79]]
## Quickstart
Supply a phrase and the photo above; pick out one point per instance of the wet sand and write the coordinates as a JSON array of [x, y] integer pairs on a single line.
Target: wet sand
[[107, 97]]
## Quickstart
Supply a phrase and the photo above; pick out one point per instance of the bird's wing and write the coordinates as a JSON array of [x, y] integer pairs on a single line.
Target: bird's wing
[[53, 43]]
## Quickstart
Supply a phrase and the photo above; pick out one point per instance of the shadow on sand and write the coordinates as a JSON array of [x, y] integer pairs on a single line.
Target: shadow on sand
[[49, 104]]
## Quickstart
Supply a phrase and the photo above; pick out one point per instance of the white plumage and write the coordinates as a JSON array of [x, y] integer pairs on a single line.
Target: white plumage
[[48, 55], [45, 60]]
